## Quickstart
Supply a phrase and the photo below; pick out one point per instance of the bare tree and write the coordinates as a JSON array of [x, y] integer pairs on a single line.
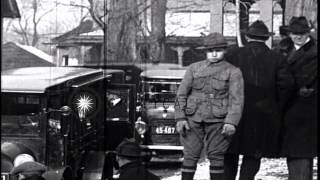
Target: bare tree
[[158, 34], [121, 31], [29, 33]]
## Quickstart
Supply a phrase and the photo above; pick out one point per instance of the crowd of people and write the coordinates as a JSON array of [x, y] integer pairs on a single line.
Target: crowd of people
[[252, 101]]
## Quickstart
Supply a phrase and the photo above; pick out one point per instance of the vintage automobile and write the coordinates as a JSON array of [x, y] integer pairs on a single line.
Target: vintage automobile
[[63, 117], [156, 125]]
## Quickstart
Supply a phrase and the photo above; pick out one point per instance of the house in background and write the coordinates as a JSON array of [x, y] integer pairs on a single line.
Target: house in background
[[17, 56], [186, 22]]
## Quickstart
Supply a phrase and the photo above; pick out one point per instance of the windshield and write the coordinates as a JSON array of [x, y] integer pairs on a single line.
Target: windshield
[[160, 91], [20, 114]]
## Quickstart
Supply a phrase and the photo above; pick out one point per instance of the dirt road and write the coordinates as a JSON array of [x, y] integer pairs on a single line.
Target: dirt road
[[271, 169]]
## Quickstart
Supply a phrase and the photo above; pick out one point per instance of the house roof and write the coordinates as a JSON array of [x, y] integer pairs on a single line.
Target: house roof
[[85, 27], [36, 52]]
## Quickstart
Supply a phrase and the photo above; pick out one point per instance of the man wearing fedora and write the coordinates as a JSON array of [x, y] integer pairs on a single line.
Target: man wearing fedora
[[208, 108], [300, 121], [128, 155], [268, 83]]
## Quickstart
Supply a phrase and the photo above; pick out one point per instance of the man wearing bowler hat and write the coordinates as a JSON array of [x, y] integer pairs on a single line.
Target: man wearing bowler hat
[[268, 83], [129, 159], [300, 121], [208, 108]]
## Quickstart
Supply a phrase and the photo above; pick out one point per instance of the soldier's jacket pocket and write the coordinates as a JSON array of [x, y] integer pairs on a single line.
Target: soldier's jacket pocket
[[219, 107], [198, 82], [219, 83], [191, 107]]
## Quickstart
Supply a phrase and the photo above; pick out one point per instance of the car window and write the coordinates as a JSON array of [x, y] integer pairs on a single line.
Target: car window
[[160, 90], [20, 114], [117, 104]]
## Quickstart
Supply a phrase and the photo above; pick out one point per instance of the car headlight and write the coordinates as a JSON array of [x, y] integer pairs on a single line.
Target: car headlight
[[141, 127], [21, 158]]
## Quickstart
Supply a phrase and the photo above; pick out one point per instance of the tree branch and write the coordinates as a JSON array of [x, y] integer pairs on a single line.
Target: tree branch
[[95, 17], [40, 17]]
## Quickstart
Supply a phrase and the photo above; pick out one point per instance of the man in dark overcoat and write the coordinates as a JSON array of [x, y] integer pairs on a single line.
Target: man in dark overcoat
[[300, 121], [267, 82]]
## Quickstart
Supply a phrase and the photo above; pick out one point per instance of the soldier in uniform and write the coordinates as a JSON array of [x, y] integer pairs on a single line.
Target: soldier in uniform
[[29, 170], [208, 108]]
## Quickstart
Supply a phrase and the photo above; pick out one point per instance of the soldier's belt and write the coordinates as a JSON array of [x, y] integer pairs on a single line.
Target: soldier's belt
[[204, 96]]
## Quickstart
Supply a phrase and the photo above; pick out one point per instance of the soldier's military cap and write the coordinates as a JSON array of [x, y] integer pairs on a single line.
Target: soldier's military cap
[[214, 40], [28, 168]]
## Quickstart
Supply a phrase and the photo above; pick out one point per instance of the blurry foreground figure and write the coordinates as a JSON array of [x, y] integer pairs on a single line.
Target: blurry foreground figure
[[129, 160], [29, 171]]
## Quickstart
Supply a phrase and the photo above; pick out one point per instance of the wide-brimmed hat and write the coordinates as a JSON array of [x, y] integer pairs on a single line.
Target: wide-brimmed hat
[[298, 25], [214, 40], [128, 148], [258, 28], [29, 167]]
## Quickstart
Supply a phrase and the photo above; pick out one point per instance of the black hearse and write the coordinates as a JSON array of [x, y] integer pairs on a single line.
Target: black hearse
[[65, 118]]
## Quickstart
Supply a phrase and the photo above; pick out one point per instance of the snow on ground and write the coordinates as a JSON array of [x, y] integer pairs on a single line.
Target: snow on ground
[[271, 169]]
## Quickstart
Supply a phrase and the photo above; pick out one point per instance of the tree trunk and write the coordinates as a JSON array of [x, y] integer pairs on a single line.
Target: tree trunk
[[158, 34], [120, 34]]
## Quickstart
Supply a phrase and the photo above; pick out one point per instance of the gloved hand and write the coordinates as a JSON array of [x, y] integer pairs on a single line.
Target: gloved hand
[[228, 129], [182, 127]]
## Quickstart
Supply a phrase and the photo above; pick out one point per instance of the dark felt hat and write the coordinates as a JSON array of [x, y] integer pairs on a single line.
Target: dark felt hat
[[29, 167], [128, 148], [214, 40], [298, 25], [258, 28]]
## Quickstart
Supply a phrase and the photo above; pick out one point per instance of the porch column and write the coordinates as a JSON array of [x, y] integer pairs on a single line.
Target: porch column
[[180, 50], [82, 53], [266, 15], [216, 16]]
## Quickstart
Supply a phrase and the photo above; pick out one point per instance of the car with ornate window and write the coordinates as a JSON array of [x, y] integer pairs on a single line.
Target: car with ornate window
[[63, 117]]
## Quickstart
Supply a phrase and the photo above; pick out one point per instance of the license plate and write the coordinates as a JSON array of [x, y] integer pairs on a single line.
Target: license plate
[[165, 130], [4, 176]]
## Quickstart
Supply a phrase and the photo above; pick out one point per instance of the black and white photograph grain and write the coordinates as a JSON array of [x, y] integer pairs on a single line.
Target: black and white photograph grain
[[159, 90]]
